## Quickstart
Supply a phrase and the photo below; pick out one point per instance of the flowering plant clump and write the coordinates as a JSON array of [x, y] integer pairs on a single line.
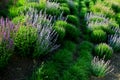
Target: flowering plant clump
[[7, 31], [46, 35], [114, 40], [101, 68]]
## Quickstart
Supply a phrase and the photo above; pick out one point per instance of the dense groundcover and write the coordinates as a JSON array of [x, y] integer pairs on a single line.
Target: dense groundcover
[[58, 39]]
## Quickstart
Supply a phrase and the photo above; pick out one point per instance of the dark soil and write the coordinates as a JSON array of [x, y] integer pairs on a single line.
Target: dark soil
[[18, 69]]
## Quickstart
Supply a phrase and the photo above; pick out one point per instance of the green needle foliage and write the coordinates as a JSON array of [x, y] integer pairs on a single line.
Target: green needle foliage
[[98, 36], [103, 50]]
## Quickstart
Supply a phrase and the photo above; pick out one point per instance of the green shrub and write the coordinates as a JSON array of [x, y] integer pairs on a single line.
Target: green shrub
[[73, 8], [85, 45], [21, 2], [83, 11], [5, 55], [71, 31], [47, 71], [103, 50], [73, 20], [118, 18], [63, 58], [61, 32], [69, 45], [78, 71], [100, 7], [82, 4], [65, 10], [19, 19], [25, 40], [64, 5], [13, 12], [54, 11], [98, 36]]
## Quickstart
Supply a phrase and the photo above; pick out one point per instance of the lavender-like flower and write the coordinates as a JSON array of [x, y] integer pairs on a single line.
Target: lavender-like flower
[[7, 31], [114, 40], [100, 67], [47, 36]]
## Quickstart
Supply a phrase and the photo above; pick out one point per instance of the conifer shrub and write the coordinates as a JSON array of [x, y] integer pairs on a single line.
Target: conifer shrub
[[25, 40], [103, 50], [71, 31], [83, 11], [65, 10], [86, 45], [98, 36], [73, 20], [73, 8], [61, 32]]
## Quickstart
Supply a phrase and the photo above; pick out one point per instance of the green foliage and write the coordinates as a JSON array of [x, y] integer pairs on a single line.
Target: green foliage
[[25, 40], [98, 36], [80, 70], [19, 19], [118, 18], [103, 50], [61, 32], [65, 10], [100, 7], [63, 58], [13, 12], [85, 45], [53, 11], [73, 20], [69, 45], [83, 11], [61, 1], [21, 2], [48, 71], [5, 55], [71, 31], [73, 8]]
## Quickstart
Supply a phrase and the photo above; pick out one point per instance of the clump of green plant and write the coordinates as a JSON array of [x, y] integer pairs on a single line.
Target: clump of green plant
[[86, 45], [118, 18], [19, 19], [69, 45], [73, 8], [100, 7], [71, 31], [100, 67], [61, 32], [47, 71], [63, 58], [98, 36], [65, 10], [103, 50], [83, 11], [73, 20], [25, 40]]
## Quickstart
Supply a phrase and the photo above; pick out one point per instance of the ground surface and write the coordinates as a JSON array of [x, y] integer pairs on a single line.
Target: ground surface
[[18, 69]]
